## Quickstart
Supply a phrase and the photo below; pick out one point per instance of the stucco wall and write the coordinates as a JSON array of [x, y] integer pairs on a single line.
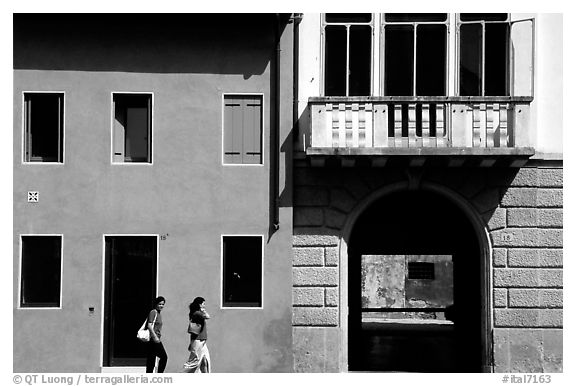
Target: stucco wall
[[186, 195], [520, 208]]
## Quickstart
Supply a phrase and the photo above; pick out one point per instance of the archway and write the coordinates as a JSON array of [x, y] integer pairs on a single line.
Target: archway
[[416, 286]]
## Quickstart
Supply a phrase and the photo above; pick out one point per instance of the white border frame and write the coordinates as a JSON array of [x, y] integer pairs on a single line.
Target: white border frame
[[23, 123], [18, 302], [241, 94], [261, 236], [151, 127], [103, 291]]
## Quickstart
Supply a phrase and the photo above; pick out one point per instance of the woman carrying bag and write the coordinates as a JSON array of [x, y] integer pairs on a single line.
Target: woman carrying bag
[[199, 360], [154, 346]]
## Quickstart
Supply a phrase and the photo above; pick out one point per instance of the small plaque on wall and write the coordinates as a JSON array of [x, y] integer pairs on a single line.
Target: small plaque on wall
[[33, 196]]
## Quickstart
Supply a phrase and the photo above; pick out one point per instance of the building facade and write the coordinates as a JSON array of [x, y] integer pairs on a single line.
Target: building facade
[[428, 193], [130, 181], [349, 192]]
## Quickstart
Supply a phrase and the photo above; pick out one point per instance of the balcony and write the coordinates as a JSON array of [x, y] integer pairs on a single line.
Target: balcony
[[492, 131]]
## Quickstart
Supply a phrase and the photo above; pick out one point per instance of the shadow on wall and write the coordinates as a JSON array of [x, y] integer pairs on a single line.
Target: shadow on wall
[[150, 43]]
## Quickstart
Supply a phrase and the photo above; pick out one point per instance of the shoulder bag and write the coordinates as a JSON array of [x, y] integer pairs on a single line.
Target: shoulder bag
[[143, 333]]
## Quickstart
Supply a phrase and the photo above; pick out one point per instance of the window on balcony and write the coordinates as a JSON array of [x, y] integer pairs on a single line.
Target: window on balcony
[[415, 62], [347, 54], [43, 127], [484, 54], [132, 130]]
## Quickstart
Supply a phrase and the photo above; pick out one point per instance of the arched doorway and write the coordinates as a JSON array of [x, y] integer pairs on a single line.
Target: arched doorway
[[416, 287]]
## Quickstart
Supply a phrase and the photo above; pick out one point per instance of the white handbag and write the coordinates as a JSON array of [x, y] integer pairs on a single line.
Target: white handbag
[[143, 333]]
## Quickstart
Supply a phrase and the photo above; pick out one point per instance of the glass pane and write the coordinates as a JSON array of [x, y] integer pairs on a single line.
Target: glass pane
[[431, 60], [471, 60], [40, 271], [484, 16], [360, 56], [335, 61], [496, 66], [348, 17], [399, 60], [415, 17]]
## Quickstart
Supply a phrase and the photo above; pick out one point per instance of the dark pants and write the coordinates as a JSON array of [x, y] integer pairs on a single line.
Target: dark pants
[[156, 350]]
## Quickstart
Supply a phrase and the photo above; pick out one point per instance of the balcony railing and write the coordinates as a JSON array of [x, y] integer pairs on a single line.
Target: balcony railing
[[376, 124]]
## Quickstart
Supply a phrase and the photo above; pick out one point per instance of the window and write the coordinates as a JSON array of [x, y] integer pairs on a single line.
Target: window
[[243, 129], [40, 271], [347, 54], [415, 62], [43, 127], [420, 271], [484, 54], [242, 271], [132, 128]]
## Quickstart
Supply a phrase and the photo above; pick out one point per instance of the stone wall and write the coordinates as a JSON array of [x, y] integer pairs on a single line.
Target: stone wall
[[522, 211]]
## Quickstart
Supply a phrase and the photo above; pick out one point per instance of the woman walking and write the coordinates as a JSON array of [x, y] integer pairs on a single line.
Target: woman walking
[[199, 360], [155, 347]]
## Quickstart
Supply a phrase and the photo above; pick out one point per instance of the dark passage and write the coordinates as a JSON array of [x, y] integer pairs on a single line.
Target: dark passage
[[418, 254]]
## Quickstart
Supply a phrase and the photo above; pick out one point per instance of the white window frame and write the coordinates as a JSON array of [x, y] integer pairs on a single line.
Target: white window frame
[[241, 94], [323, 25], [103, 287], [151, 141], [24, 128], [19, 302], [222, 236]]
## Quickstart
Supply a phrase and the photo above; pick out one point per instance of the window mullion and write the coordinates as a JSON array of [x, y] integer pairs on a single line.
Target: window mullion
[[414, 64]]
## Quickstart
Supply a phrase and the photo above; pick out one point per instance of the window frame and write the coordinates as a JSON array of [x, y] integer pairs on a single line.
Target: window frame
[[150, 124], [262, 128], [20, 263], [62, 129], [483, 23], [323, 24], [222, 305], [382, 60]]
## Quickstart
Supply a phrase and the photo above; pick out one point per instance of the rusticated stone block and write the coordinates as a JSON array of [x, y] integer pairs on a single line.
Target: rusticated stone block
[[304, 256], [526, 177], [527, 317], [310, 196], [314, 276], [342, 200], [332, 257], [308, 296], [550, 177], [486, 200], [315, 316], [527, 277], [496, 219], [522, 257], [334, 218], [531, 298], [500, 297], [306, 216], [306, 237], [550, 198], [499, 257], [316, 350], [520, 197], [532, 217], [527, 237], [331, 296]]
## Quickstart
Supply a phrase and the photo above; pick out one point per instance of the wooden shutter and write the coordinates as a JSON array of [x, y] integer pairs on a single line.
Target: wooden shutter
[[252, 131], [242, 130]]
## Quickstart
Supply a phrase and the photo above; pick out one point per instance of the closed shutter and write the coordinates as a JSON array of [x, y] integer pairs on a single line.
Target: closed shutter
[[242, 130]]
